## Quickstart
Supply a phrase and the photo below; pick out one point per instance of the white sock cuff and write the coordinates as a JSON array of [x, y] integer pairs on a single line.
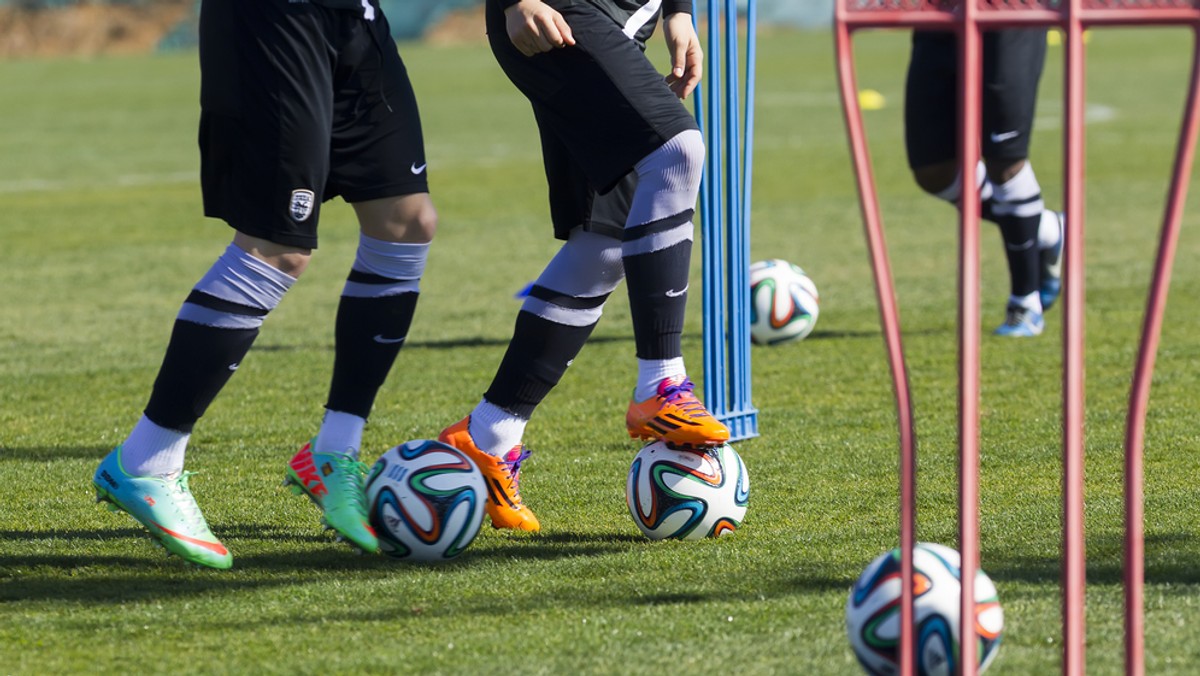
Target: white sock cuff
[[494, 430], [153, 450], [953, 192], [394, 260], [1031, 302], [1022, 185], [1050, 230], [341, 432], [651, 372]]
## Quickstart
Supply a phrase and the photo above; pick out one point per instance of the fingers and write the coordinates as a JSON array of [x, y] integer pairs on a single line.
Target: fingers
[[565, 36], [538, 30], [687, 69]]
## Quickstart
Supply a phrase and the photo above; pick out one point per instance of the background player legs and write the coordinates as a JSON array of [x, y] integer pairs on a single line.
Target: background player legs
[[1010, 197]]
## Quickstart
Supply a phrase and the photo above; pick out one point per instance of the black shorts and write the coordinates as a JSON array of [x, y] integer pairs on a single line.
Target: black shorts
[[1012, 68], [600, 106], [301, 103]]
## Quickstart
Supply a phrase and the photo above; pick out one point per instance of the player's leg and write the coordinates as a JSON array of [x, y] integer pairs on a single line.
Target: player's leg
[[271, 197], [557, 316], [377, 163], [614, 113], [931, 142], [213, 332], [1013, 61], [657, 251]]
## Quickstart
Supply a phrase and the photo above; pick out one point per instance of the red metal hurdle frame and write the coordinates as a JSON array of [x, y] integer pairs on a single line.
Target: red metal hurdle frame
[[968, 19]]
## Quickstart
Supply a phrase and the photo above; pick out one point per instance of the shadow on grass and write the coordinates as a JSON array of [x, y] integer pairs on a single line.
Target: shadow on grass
[[443, 344], [51, 453], [147, 574], [873, 333], [1105, 562]]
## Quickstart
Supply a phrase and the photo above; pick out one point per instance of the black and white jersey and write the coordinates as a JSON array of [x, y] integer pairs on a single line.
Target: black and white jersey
[[638, 17], [363, 6]]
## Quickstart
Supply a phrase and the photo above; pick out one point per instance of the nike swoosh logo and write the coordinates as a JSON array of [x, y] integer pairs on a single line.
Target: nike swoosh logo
[[418, 170], [215, 547], [388, 341], [234, 366], [672, 293], [1004, 136]]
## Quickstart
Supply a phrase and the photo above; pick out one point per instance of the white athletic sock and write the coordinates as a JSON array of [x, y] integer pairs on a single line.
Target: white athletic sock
[[494, 430], [651, 372], [152, 450], [1049, 230], [1031, 302], [340, 433], [953, 192]]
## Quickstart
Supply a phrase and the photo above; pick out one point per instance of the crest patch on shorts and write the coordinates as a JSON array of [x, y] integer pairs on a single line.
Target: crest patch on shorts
[[302, 204]]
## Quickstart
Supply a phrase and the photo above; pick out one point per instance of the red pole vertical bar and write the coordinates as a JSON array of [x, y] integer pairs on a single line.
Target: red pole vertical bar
[[890, 317], [970, 127], [1140, 393], [1073, 566]]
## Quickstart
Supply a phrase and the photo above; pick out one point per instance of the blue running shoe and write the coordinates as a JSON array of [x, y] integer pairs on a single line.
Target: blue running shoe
[[1021, 322], [165, 507], [1051, 266]]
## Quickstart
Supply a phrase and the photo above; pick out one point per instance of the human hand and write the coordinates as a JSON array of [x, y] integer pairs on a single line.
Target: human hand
[[687, 58], [535, 27]]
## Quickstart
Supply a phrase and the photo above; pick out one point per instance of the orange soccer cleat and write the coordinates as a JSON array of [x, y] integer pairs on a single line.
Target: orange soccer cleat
[[502, 475], [675, 416]]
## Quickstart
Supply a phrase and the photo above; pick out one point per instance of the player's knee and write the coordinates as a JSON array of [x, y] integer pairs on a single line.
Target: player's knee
[[681, 158], [421, 223], [410, 218], [293, 263], [691, 144], [1000, 172], [935, 178], [290, 260]]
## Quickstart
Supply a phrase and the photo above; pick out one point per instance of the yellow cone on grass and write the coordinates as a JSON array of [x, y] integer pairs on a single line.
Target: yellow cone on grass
[[869, 99]]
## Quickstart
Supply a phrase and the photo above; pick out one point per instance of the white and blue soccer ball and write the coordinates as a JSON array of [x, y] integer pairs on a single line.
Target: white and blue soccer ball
[[687, 494], [784, 303], [425, 500], [873, 613]]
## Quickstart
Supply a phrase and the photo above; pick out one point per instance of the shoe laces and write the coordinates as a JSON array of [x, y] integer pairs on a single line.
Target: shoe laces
[[512, 464], [1017, 315], [349, 476], [681, 394], [185, 503]]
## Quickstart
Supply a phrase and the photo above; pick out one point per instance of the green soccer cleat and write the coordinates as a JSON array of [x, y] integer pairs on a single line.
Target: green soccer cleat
[[165, 507], [334, 482]]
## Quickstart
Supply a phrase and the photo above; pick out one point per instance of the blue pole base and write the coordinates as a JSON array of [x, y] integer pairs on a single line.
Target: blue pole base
[[742, 424]]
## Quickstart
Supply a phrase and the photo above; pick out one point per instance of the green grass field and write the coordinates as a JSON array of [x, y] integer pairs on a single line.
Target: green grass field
[[101, 236]]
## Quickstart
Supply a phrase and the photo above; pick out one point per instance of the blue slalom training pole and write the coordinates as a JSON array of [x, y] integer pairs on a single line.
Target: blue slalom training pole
[[725, 217]]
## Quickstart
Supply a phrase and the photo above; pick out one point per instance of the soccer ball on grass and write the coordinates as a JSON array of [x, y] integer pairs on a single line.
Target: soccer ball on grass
[[687, 493], [784, 304], [873, 613], [425, 500]]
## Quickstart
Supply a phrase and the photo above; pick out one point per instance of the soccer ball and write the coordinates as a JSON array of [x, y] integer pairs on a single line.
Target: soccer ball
[[784, 303], [687, 494], [425, 500], [873, 612]]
